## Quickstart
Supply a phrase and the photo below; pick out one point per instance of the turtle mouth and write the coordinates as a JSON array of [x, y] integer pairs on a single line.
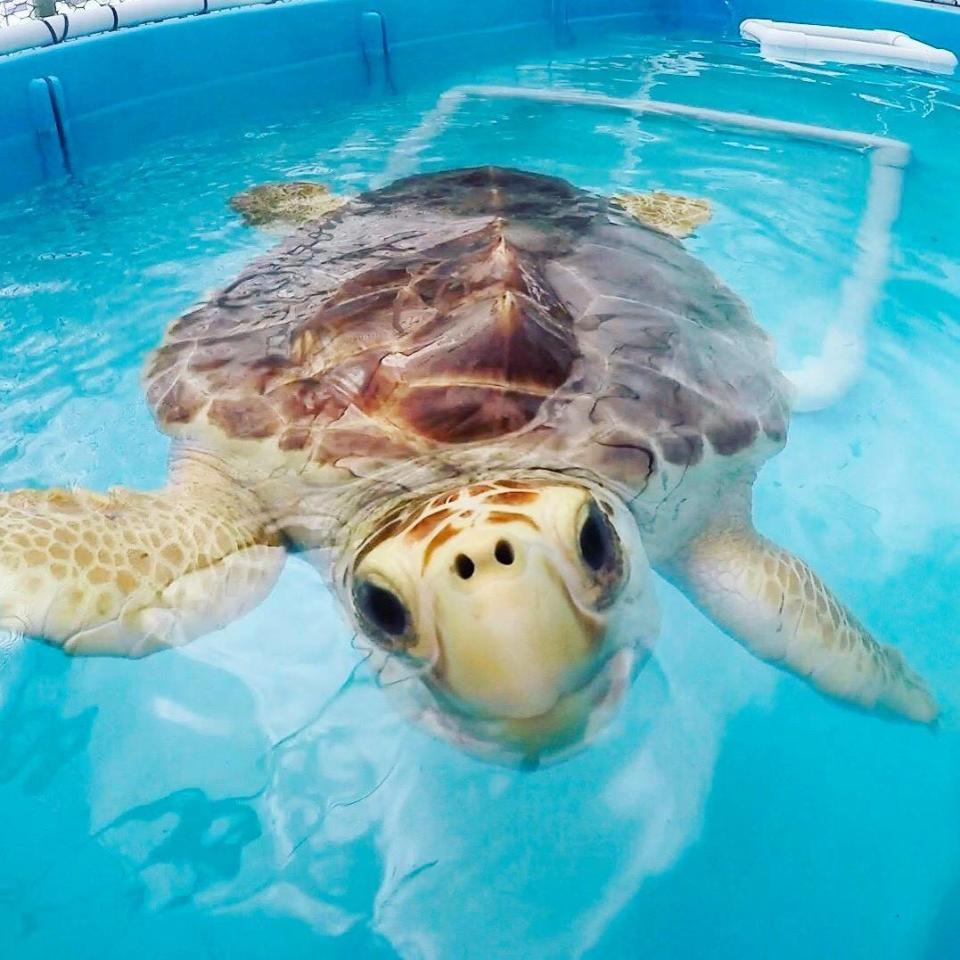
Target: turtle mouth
[[531, 742]]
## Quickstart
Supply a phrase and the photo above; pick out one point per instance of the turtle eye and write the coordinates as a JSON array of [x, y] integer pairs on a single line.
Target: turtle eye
[[596, 540], [600, 551], [382, 610]]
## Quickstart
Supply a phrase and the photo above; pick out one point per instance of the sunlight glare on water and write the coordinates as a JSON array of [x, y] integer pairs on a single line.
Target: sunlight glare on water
[[254, 794]]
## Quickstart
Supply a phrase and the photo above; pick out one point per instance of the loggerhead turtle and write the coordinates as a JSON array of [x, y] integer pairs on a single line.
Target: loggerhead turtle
[[486, 403]]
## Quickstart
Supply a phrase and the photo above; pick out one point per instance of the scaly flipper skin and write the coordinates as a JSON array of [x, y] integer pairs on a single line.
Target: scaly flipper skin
[[128, 573], [780, 610]]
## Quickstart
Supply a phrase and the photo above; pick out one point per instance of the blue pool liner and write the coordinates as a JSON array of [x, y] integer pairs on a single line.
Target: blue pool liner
[[67, 107]]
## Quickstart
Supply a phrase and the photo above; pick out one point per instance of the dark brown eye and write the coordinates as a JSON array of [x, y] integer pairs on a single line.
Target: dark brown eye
[[596, 540], [382, 609], [600, 551]]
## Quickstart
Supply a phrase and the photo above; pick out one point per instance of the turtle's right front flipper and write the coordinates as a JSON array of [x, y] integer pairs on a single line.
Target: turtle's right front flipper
[[780, 610], [128, 573]]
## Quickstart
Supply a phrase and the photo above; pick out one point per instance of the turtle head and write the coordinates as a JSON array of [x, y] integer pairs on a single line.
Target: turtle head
[[520, 604]]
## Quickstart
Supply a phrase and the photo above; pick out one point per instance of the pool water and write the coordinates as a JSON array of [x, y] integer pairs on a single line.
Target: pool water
[[255, 795]]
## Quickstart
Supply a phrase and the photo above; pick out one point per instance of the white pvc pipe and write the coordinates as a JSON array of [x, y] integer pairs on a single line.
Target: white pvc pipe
[[897, 150], [820, 380], [28, 34], [132, 14], [404, 159], [807, 41]]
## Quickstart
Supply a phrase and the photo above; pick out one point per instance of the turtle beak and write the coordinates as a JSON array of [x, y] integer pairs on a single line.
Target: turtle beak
[[512, 641]]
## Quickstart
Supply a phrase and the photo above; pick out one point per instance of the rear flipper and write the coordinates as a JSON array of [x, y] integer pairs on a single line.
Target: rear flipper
[[286, 204], [670, 213], [780, 610]]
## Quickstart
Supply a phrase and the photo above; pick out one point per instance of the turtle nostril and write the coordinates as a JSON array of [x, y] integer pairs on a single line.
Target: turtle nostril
[[504, 553], [464, 566]]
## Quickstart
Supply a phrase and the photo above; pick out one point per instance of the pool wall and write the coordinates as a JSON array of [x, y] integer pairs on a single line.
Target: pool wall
[[97, 98]]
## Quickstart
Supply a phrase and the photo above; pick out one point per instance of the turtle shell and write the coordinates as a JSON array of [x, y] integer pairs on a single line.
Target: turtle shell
[[487, 307]]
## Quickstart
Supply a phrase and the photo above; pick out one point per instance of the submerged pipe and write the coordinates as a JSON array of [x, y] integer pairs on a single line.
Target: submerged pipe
[[898, 151], [824, 378]]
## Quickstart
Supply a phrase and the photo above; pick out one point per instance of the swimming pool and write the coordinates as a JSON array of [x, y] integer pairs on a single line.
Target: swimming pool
[[255, 792]]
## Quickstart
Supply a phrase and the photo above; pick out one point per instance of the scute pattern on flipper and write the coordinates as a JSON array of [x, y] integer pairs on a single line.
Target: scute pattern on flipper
[[105, 560], [464, 306], [783, 612]]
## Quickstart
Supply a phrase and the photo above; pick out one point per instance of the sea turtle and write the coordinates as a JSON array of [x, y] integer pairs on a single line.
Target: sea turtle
[[486, 403]]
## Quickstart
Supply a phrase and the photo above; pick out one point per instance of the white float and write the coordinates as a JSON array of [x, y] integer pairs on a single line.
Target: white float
[[809, 42]]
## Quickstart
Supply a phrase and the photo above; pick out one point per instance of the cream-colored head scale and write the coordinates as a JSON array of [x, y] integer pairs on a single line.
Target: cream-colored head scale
[[520, 603]]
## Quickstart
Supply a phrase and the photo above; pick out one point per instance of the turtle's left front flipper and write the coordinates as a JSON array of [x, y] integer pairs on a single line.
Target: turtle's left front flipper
[[127, 573], [780, 610]]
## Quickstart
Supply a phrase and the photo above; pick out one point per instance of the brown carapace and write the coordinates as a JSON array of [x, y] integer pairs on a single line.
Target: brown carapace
[[461, 307]]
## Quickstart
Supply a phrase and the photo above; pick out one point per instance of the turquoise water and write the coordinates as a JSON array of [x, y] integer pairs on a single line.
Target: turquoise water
[[254, 795]]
